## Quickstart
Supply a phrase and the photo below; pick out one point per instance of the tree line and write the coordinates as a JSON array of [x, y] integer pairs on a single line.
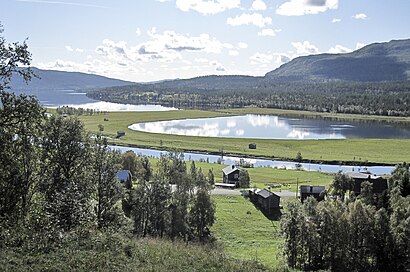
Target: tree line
[[371, 98], [360, 233]]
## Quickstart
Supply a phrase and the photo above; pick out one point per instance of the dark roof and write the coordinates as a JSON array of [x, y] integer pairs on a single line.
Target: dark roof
[[229, 169], [123, 175], [312, 189], [265, 193], [358, 175]]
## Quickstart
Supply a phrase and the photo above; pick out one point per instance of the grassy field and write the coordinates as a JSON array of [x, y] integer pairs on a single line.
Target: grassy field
[[336, 151], [245, 232], [264, 177]]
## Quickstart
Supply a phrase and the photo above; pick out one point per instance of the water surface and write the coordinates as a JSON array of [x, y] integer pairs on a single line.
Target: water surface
[[274, 127]]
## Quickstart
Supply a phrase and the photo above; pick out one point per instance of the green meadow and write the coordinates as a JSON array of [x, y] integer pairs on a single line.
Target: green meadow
[[359, 151]]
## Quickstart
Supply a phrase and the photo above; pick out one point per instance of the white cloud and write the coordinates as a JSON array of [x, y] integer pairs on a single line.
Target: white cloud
[[207, 7], [70, 49], [360, 45], [242, 45], [203, 60], [249, 19], [336, 20], [53, 2], [268, 32], [304, 48], [258, 5], [138, 31], [268, 58], [339, 49], [218, 66], [302, 7], [360, 16], [233, 53]]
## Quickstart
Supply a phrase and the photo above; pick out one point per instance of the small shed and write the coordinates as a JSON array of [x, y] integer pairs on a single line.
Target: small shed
[[379, 183], [106, 119], [120, 133], [231, 175], [265, 199], [318, 192], [252, 146], [125, 177]]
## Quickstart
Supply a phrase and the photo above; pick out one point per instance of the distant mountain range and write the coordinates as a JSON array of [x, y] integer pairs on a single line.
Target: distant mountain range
[[50, 79], [373, 63], [377, 62]]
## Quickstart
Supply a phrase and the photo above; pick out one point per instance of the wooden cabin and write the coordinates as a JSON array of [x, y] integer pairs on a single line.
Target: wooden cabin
[[231, 175], [379, 183], [317, 192]]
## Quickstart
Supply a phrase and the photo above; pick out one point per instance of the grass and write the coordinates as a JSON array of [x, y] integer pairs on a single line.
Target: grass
[[359, 151], [245, 232], [120, 253]]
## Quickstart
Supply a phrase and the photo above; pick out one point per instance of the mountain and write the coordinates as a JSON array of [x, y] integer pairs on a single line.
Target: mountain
[[50, 79], [373, 63]]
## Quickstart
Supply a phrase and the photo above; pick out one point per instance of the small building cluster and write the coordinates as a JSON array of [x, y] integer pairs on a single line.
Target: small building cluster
[[231, 175], [265, 199], [379, 183], [318, 192]]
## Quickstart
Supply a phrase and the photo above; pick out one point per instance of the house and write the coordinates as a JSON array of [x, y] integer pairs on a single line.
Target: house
[[318, 192], [106, 119], [252, 146], [379, 183], [265, 199], [125, 177], [120, 133], [231, 175]]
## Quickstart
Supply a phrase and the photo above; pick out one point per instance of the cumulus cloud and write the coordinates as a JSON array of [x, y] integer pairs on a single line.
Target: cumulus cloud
[[207, 7], [305, 48], [269, 58], [233, 52], [360, 16], [258, 5], [70, 49], [138, 31], [360, 45], [242, 45], [249, 19], [268, 32], [339, 49], [336, 20], [302, 7], [218, 66]]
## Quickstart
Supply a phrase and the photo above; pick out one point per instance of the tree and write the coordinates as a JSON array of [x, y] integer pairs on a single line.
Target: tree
[[12, 56], [108, 191], [244, 179], [202, 214], [66, 172], [211, 177], [341, 184], [129, 162], [20, 129]]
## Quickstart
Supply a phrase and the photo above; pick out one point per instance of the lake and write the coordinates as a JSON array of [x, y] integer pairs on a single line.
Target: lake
[[76, 99], [274, 127], [328, 168]]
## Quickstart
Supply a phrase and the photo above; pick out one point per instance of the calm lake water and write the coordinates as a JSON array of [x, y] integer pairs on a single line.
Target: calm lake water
[[328, 168], [274, 127], [75, 99]]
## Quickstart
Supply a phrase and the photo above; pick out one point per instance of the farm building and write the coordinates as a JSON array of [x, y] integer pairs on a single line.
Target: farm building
[[379, 183], [252, 146], [125, 177], [120, 134], [265, 199], [231, 175], [317, 192]]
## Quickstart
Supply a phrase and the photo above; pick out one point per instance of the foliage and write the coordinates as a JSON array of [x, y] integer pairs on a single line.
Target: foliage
[[351, 236], [244, 178]]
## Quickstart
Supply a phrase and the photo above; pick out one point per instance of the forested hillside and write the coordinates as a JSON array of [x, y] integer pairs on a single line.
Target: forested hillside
[[371, 80]]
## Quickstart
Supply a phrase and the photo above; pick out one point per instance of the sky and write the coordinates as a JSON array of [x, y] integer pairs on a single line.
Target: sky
[[150, 40]]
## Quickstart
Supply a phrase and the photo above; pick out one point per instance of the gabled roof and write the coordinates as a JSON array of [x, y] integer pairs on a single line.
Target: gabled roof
[[265, 193], [358, 175], [312, 189], [123, 175], [229, 169]]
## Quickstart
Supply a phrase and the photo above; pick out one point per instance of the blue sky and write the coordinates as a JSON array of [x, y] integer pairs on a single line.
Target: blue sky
[[146, 40]]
